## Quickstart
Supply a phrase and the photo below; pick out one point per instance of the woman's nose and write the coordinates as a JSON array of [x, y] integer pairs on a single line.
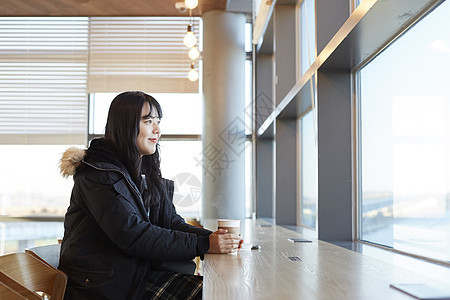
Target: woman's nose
[[156, 128]]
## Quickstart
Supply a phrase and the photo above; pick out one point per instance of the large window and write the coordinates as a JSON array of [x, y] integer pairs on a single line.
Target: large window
[[57, 72], [43, 80], [405, 141], [43, 110], [30, 182], [308, 171], [47, 67], [31, 187], [140, 53]]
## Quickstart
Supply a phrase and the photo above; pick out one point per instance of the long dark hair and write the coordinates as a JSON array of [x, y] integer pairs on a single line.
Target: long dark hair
[[122, 129]]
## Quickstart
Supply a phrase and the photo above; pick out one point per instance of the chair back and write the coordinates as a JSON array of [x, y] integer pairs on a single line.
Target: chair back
[[8, 293], [30, 277], [48, 253]]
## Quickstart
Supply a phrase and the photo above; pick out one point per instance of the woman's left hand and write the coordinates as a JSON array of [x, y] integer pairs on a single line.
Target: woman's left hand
[[222, 242]]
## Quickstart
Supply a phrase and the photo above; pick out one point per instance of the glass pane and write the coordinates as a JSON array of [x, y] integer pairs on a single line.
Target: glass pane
[[308, 184], [248, 37], [185, 168], [405, 141], [182, 113], [16, 236], [248, 96], [248, 180], [98, 111], [308, 34], [30, 182]]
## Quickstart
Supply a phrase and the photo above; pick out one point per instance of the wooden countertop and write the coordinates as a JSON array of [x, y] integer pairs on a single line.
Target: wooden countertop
[[285, 270]]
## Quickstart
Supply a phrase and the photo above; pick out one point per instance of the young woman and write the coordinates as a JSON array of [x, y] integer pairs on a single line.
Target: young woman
[[123, 238]]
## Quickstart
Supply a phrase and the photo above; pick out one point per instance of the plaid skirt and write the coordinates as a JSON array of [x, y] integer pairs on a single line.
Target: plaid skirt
[[165, 285]]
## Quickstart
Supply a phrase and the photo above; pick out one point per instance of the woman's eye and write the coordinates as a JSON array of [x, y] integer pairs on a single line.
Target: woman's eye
[[151, 121]]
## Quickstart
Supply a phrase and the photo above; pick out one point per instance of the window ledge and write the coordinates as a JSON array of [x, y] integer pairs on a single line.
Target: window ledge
[[421, 267]]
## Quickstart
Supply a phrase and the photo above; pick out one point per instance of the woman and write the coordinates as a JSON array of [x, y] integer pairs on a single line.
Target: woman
[[123, 238]]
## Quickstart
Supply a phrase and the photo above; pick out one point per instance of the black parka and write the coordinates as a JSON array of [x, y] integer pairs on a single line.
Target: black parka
[[110, 245]]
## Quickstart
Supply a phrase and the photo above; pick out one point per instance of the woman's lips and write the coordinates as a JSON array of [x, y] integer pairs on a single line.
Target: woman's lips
[[154, 140]]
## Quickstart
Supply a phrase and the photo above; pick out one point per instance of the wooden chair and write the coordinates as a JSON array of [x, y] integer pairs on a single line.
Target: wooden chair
[[17, 287], [49, 254], [7, 293], [31, 277]]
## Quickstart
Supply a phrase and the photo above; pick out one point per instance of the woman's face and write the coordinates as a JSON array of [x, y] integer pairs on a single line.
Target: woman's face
[[148, 131]]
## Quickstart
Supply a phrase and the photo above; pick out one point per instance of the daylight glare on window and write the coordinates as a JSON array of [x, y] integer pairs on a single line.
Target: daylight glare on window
[[308, 34], [309, 188], [182, 113], [405, 141]]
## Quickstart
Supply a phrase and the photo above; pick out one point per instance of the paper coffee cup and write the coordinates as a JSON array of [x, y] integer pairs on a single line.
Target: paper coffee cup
[[233, 226]]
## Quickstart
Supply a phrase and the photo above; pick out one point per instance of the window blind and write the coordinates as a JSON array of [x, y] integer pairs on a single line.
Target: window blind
[[43, 80], [140, 53]]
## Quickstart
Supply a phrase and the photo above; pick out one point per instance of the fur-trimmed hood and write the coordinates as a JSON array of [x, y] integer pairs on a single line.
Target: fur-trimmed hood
[[71, 160], [98, 155]]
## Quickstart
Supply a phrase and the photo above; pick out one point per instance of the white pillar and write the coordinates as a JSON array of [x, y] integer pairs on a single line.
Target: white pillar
[[223, 115]]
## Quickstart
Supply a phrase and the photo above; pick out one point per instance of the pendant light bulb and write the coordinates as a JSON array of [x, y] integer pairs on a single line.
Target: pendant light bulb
[[194, 54], [191, 4], [193, 74], [189, 39]]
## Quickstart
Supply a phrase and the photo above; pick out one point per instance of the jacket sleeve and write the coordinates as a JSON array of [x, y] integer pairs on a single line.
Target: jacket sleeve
[[114, 209], [178, 223]]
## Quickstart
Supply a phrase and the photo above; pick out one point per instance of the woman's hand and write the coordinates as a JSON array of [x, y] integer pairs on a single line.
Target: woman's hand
[[222, 242]]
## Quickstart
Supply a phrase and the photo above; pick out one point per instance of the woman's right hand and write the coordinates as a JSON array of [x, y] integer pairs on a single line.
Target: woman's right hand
[[222, 242]]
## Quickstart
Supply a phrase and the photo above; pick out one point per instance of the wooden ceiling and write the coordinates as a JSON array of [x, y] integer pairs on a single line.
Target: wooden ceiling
[[103, 7]]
